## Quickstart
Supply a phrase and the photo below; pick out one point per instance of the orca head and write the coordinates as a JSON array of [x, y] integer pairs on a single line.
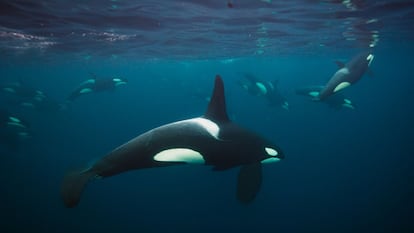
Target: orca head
[[271, 154], [366, 59], [361, 62], [257, 148]]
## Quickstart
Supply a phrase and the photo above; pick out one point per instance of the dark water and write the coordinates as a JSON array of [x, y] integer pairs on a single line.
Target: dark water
[[346, 170]]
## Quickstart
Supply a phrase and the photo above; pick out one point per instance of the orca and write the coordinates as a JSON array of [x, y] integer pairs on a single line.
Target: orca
[[347, 75], [253, 85], [23, 91], [274, 97], [13, 130], [212, 140], [267, 89], [94, 85], [22, 95], [336, 101]]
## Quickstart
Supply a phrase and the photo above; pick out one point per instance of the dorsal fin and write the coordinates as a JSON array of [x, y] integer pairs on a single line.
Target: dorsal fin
[[216, 109]]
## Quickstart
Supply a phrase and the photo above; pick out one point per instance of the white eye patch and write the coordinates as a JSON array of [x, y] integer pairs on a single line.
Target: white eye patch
[[271, 151]]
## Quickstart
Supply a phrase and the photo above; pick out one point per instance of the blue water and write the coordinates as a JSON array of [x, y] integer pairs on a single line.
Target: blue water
[[346, 170]]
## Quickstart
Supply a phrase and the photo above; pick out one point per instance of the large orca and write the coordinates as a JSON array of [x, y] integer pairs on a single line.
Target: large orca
[[96, 85], [212, 139], [347, 75]]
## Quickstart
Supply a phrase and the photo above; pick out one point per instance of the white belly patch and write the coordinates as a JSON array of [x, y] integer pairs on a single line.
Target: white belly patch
[[270, 160], [85, 90], [341, 86], [180, 155]]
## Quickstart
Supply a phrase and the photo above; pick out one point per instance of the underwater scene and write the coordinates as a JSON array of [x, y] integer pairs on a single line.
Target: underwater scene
[[207, 116]]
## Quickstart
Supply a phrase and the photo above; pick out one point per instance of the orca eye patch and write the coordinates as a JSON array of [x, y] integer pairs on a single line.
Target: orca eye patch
[[271, 151]]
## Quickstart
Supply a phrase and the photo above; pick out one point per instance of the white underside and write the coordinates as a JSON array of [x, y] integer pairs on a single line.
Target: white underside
[[85, 90], [314, 93], [26, 104], [9, 89], [341, 86], [348, 106], [120, 83], [270, 160], [17, 124], [88, 81], [180, 155], [14, 119]]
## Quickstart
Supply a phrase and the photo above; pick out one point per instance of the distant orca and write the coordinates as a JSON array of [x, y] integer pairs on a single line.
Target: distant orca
[[335, 101], [210, 140], [12, 130], [23, 95], [18, 89], [29, 97], [252, 85], [268, 89], [347, 75], [274, 96], [96, 85]]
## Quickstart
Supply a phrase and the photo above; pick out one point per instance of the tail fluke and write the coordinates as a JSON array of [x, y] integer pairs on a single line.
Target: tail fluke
[[73, 185]]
